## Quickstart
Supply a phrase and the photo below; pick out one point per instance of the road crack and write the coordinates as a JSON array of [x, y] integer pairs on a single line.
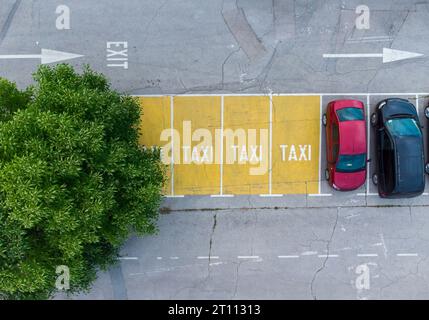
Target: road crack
[[328, 244]]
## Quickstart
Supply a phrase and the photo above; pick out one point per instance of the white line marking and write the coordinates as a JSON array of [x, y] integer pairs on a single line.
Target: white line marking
[[292, 94], [46, 56], [366, 194], [206, 257], [320, 195], [367, 255], [158, 258], [128, 258], [288, 257], [425, 194], [174, 258], [320, 141], [221, 143], [407, 254], [309, 253], [270, 169], [372, 37], [175, 196], [368, 141], [388, 55], [222, 196], [328, 256], [352, 55], [248, 257], [274, 195], [172, 142], [417, 104]]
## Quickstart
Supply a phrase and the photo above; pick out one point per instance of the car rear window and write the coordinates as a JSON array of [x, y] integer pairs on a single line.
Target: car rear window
[[350, 114], [351, 163], [401, 127]]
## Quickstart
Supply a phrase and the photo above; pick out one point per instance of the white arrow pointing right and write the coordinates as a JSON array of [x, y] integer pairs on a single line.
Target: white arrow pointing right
[[51, 56], [46, 56], [388, 55]]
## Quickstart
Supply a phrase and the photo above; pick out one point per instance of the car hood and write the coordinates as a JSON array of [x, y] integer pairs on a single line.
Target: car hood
[[410, 164]]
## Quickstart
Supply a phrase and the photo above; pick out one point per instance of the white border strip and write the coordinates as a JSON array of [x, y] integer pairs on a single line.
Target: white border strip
[[367, 255], [222, 103], [368, 140], [270, 168], [407, 255], [320, 141], [172, 143], [287, 94]]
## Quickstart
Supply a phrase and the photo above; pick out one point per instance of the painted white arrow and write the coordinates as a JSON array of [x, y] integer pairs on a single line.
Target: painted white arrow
[[388, 55], [46, 56]]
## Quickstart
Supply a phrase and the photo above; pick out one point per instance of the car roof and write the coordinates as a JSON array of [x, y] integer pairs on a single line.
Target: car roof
[[352, 138]]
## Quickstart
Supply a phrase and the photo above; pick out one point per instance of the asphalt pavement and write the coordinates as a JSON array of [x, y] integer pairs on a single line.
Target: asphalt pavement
[[329, 245]]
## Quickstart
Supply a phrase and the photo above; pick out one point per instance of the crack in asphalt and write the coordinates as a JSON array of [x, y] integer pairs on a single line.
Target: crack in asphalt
[[4, 30], [211, 240], [225, 61], [327, 257]]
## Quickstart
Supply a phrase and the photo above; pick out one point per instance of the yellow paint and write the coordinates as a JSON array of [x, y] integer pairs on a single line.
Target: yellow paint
[[197, 119], [245, 113], [154, 119], [296, 122]]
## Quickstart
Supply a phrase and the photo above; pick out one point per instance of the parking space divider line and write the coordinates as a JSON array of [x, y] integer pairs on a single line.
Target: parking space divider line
[[289, 94], [172, 143], [320, 141], [417, 104], [368, 139], [270, 169], [221, 143]]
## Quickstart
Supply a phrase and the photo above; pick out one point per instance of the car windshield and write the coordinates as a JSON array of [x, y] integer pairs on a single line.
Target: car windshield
[[403, 127], [351, 163], [350, 114]]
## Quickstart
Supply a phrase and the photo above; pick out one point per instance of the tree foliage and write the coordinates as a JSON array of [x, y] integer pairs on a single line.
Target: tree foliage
[[74, 181]]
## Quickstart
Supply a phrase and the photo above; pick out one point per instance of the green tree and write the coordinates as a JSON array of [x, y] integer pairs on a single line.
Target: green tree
[[74, 182]]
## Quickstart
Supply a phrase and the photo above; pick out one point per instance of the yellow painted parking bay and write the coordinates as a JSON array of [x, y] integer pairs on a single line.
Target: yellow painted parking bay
[[246, 170], [196, 119], [296, 132], [155, 118], [239, 163]]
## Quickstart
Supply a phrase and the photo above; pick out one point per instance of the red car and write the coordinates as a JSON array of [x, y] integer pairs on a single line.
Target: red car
[[346, 145]]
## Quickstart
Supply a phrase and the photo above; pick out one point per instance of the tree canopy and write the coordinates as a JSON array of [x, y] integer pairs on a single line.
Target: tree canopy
[[74, 182]]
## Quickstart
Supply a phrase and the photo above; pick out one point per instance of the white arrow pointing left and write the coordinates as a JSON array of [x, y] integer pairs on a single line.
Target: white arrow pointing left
[[46, 56]]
